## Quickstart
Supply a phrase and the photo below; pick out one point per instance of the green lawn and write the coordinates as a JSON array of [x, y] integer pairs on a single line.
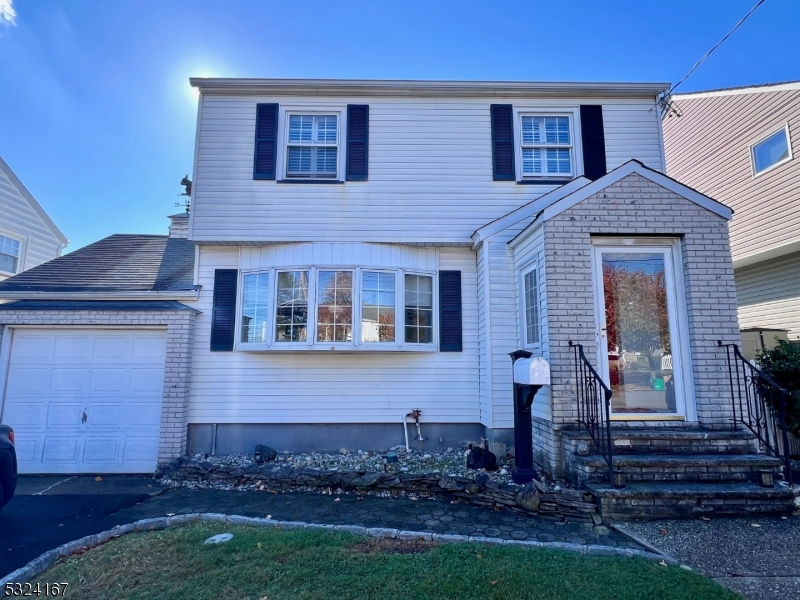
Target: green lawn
[[298, 564]]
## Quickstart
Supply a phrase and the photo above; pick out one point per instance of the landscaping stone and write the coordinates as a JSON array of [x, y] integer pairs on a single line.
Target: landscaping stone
[[265, 453], [220, 538], [528, 498]]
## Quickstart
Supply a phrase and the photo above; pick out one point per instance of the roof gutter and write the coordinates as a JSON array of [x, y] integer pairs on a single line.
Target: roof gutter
[[188, 295], [420, 88]]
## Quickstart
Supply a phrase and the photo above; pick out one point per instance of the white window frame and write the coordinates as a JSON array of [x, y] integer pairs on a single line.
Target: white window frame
[[785, 130], [21, 240], [337, 110], [533, 266], [311, 343], [544, 110]]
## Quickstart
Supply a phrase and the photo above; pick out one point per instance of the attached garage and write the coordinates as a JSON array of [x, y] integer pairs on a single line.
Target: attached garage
[[85, 400], [96, 355]]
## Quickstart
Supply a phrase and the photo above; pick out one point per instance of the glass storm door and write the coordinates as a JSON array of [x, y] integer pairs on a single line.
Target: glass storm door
[[638, 335]]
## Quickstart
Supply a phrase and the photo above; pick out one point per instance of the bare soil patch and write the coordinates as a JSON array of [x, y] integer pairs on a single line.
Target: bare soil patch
[[393, 546]]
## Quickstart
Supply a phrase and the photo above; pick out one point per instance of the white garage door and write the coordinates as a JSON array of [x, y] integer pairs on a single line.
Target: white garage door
[[85, 401]]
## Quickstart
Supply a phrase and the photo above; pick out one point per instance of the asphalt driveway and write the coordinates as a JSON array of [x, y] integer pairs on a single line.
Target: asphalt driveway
[[48, 511]]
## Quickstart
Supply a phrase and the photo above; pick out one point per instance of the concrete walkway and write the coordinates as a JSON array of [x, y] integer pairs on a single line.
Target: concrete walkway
[[756, 557]]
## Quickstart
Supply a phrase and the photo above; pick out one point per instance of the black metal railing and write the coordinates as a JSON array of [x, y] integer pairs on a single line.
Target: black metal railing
[[760, 405], [594, 406]]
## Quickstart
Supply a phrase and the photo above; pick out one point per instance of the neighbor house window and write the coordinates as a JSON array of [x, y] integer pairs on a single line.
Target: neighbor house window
[[772, 151], [335, 306], [377, 307], [291, 311], [531, 307], [419, 309], [9, 254], [546, 146], [313, 146], [255, 307]]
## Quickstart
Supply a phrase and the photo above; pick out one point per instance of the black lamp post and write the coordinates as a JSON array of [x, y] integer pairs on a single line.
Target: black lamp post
[[523, 471]]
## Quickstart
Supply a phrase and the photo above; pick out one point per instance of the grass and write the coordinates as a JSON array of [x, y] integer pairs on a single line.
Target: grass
[[272, 564]]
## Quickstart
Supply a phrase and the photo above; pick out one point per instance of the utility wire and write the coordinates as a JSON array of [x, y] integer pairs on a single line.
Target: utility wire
[[719, 43]]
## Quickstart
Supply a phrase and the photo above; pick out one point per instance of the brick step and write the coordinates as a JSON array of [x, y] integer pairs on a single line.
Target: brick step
[[661, 440], [710, 468], [676, 500]]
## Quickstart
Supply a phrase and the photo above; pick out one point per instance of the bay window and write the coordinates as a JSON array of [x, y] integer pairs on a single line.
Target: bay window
[[336, 308]]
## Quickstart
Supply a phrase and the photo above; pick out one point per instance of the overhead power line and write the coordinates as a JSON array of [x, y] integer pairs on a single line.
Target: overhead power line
[[665, 102]]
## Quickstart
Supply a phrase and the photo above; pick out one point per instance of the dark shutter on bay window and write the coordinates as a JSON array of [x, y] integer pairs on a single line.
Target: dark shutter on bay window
[[223, 313], [593, 140], [266, 152], [357, 142], [503, 142], [450, 311]]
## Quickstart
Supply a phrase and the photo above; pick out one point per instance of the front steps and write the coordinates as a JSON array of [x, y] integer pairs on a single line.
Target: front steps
[[659, 500], [677, 472]]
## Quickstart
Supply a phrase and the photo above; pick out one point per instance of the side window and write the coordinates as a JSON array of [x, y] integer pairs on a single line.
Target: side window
[[531, 306], [291, 312], [255, 307], [419, 309], [377, 307], [771, 151], [9, 254]]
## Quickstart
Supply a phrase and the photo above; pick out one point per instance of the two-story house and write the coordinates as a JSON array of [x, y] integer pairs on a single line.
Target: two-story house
[[738, 146], [367, 248], [28, 237]]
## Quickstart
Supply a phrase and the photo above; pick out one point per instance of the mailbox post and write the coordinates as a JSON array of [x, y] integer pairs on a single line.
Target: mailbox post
[[530, 374]]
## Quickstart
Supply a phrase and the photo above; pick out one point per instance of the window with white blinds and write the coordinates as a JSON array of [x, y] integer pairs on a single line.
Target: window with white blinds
[[313, 146], [546, 146]]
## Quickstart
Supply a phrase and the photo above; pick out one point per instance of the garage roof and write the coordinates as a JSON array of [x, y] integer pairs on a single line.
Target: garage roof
[[118, 263]]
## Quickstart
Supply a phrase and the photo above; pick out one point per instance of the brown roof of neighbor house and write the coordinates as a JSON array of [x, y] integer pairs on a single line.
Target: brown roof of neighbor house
[[118, 263]]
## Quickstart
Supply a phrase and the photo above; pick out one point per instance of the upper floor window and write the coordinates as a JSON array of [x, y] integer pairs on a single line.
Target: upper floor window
[[546, 146], [531, 307], [9, 254], [771, 151], [312, 147]]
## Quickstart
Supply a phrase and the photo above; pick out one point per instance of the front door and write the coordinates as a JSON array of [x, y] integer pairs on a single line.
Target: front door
[[638, 331]]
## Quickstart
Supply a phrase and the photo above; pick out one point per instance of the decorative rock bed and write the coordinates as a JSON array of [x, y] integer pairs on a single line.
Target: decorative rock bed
[[480, 489]]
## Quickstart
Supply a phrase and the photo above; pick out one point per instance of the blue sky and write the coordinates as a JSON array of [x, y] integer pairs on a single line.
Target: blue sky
[[98, 118]]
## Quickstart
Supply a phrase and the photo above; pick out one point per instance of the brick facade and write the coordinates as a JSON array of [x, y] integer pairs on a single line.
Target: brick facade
[[179, 325], [635, 206]]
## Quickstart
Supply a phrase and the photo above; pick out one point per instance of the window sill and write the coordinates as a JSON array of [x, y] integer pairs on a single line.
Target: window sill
[[332, 348], [313, 181], [544, 181]]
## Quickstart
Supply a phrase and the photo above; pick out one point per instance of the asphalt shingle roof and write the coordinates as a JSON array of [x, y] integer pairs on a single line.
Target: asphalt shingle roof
[[118, 263], [94, 305]]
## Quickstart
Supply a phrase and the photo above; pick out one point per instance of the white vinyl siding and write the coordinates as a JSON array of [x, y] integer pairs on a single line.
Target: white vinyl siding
[[768, 295], [334, 387], [19, 221], [430, 171], [708, 148]]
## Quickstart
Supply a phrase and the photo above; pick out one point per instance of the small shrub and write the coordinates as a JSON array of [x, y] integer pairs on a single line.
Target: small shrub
[[782, 365]]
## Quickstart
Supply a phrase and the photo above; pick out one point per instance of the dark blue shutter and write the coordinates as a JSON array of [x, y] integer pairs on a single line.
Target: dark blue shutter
[[266, 152], [223, 313], [450, 311], [503, 142], [593, 140], [357, 142]]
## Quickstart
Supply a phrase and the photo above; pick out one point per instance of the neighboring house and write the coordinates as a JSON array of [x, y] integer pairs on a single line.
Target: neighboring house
[[97, 362], [739, 145], [366, 248], [27, 235]]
